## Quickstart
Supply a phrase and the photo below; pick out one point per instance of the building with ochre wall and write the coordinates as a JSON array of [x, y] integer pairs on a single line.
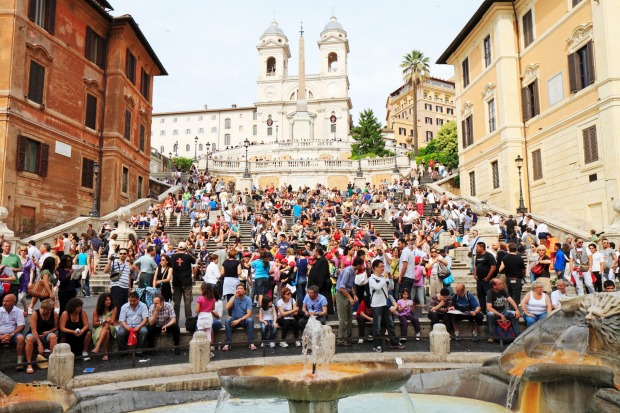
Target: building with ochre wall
[[75, 90], [540, 79]]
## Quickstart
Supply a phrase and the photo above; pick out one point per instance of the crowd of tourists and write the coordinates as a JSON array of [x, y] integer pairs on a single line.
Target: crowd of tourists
[[311, 252]]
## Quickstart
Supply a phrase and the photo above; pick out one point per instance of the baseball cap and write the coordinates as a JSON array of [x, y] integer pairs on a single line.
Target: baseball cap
[[182, 246]]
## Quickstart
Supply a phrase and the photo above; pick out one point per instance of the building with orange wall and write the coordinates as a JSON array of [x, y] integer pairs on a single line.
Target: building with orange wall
[[540, 79], [75, 91]]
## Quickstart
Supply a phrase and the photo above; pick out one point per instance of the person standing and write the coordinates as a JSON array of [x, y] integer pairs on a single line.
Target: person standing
[[320, 276], [146, 267], [484, 270], [13, 262], [380, 283], [514, 268], [182, 280], [345, 298], [119, 279]]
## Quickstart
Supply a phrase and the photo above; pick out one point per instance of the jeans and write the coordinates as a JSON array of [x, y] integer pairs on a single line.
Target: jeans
[[531, 320], [510, 315], [86, 286], [122, 335], [436, 317], [482, 288], [345, 317], [248, 323], [587, 279], [185, 293], [289, 323], [380, 314], [154, 331], [267, 331], [403, 323], [120, 297]]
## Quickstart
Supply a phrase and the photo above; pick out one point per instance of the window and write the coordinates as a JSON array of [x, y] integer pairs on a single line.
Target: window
[[428, 121], [402, 131], [576, 2], [468, 131], [95, 48], [32, 156], [43, 13], [429, 136], [162, 120], [187, 148], [200, 147], [141, 141], [227, 123], [91, 111], [127, 134], [439, 122], [495, 174], [188, 131], [227, 139], [124, 179], [269, 131], [254, 115], [428, 106], [487, 51], [439, 109], [162, 133], [201, 130], [528, 29], [36, 82], [130, 66], [213, 117], [581, 68], [492, 115], [333, 128], [199, 118], [174, 120], [271, 66], [537, 165], [450, 111], [332, 62], [472, 183], [590, 145], [88, 173], [530, 103], [140, 184], [161, 149], [213, 129], [465, 70], [255, 130], [240, 128], [175, 132], [145, 84]]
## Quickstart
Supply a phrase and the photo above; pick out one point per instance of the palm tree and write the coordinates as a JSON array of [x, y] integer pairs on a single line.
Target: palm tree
[[415, 71]]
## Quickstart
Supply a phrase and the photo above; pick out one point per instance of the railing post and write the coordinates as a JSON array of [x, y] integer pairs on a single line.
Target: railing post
[[199, 352], [60, 368]]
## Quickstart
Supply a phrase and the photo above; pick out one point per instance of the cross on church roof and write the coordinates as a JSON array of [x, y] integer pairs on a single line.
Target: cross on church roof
[[301, 31]]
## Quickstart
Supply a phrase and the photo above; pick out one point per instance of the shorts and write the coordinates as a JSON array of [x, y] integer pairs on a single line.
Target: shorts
[[45, 340], [13, 341], [260, 284]]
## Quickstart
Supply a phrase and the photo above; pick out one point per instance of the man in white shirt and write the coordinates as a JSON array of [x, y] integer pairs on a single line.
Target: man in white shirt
[[559, 294], [33, 251], [12, 325], [581, 264], [406, 266]]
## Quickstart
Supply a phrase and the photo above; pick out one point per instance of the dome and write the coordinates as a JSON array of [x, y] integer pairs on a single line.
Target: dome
[[274, 29], [333, 25]]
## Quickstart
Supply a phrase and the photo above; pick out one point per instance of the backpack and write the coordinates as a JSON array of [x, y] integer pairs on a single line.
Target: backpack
[[264, 243], [505, 330], [454, 301]]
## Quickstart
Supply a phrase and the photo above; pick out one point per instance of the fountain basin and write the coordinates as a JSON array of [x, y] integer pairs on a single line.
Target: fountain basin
[[292, 382]]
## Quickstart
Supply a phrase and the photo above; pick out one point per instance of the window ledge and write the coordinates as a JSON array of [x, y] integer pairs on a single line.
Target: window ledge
[[29, 175], [496, 191], [537, 183], [86, 190], [592, 165]]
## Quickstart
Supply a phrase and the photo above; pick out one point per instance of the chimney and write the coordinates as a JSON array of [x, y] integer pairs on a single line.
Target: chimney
[[234, 105]]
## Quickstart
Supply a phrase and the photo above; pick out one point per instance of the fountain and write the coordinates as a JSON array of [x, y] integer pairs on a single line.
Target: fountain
[[316, 385]]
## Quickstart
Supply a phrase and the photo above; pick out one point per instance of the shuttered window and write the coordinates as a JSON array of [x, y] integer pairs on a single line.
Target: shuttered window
[[465, 69], [528, 29], [530, 102], [581, 68], [145, 84], [590, 145], [492, 116], [43, 13], [91, 111], [140, 183], [36, 82], [130, 66], [467, 127], [124, 180], [472, 183], [88, 173], [127, 133], [537, 165], [495, 174], [141, 142], [487, 51], [32, 156], [95, 50]]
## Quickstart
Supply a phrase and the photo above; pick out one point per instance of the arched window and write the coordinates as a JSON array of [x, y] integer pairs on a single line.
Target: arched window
[[213, 147], [200, 147], [271, 66], [227, 123], [187, 148], [332, 62], [227, 139], [332, 120], [255, 130], [254, 115]]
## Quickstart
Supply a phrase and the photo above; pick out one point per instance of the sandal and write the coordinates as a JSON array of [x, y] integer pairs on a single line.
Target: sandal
[[252, 347], [226, 348], [105, 358], [20, 367], [29, 370]]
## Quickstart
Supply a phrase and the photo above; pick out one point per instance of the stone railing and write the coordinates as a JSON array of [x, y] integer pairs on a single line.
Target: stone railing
[[79, 225], [557, 228], [273, 148]]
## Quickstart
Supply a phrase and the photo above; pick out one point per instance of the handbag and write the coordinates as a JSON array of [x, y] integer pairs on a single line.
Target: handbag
[[132, 340], [448, 280], [537, 269], [442, 271], [190, 324], [37, 289], [76, 274], [114, 275]]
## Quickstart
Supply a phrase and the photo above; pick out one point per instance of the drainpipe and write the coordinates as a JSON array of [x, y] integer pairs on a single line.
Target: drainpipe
[[103, 108], [526, 158]]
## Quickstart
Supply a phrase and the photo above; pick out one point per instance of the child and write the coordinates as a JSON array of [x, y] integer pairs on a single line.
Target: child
[[267, 317], [405, 307], [205, 305]]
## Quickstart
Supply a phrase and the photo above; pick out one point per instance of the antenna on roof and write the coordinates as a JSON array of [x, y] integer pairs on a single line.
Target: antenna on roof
[[333, 11]]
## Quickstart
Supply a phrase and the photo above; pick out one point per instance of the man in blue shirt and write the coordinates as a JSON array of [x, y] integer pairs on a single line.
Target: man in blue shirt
[[241, 316], [283, 245], [559, 264], [314, 304], [345, 298], [296, 212], [468, 305], [134, 316]]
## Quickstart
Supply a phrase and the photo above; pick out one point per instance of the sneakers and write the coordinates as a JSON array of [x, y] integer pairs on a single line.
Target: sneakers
[[403, 340], [360, 341], [397, 346], [272, 344], [298, 343], [85, 356], [417, 336], [490, 340], [474, 337], [377, 349], [457, 336], [283, 344], [262, 345]]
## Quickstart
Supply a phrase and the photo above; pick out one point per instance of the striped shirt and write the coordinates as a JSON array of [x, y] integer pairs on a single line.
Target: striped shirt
[[123, 270]]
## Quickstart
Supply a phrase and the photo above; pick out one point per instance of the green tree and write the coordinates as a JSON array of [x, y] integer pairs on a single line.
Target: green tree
[[182, 164], [443, 148], [416, 70], [368, 138]]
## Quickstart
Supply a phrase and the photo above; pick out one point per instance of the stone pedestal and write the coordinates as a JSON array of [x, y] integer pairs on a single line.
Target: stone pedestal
[[440, 341], [245, 183], [461, 254], [6, 233], [359, 182], [487, 233], [330, 342], [60, 369], [123, 230], [395, 176], [444, 239], [199, 352]]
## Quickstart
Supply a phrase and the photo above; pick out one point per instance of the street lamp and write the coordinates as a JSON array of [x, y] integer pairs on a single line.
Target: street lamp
[[246, 143], [395, 170], [170, 161], [522, 208], [95, 211], [359, 161], [196, 149], [208, 145]]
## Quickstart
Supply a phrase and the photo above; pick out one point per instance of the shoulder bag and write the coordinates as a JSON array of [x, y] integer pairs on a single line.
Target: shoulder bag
[[37, 289]]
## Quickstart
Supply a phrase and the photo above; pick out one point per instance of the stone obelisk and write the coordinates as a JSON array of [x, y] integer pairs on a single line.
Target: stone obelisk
[[302, 123]]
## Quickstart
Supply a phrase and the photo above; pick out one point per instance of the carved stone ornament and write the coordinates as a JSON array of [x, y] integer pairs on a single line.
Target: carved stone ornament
[[580, 36], [144, 116], [131, 104], [467, 108], [39, 53], [530, 74], [488, 92], [92, 86]]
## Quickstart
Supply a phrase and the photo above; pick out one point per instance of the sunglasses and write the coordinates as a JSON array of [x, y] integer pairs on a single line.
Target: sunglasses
[[122, 253]]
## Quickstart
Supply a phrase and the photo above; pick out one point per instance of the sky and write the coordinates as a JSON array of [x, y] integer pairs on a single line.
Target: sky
[[209, 48]]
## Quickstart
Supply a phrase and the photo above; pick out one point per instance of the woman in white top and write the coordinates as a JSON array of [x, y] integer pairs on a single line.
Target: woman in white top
[[598, 265], [212, 274], [536, 304]]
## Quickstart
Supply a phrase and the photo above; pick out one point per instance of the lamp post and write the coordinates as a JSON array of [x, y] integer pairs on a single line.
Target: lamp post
[[95, 211], [522, 208], [395, 170], [170, 161], [208, 146], [196, 149], [246, 143], [359, 161]]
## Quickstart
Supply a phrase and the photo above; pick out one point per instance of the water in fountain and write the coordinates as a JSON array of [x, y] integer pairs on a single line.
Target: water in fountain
[[314, 346], [222, 399], [574, 339], [512, 388], [408, 403]]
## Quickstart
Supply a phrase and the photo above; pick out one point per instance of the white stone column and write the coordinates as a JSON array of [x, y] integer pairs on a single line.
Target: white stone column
[[359, 182], [199, 352], [60, 368], [440, 341], [245, 183], [123, 229], [330, 342], [6, 233]]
